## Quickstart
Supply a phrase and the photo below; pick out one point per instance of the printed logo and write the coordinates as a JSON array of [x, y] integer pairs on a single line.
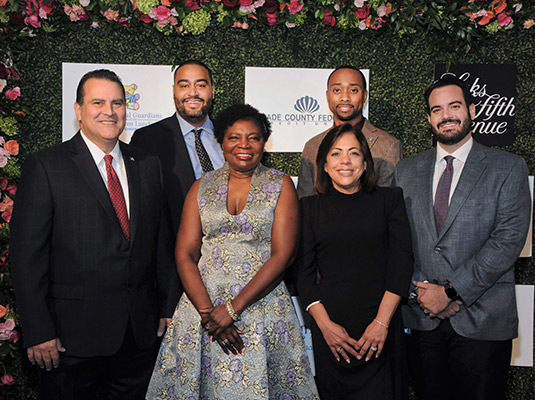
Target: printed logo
[[131, 97], [306, 104]]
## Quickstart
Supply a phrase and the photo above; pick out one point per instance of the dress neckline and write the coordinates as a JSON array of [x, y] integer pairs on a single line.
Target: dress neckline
[[226, 177]]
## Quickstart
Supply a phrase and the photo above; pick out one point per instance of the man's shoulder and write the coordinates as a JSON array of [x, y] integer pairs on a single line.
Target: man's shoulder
[[159, 127], [415, 159], [312, 144], [381, 134]]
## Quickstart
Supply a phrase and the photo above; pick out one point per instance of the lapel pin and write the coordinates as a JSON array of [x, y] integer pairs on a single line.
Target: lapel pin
[[132, 159]]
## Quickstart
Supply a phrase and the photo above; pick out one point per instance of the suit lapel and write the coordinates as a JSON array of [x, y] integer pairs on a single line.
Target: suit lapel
[[474, 167], [182, 167], [86, 164], [134, 188], [370, 133], [425, 171]]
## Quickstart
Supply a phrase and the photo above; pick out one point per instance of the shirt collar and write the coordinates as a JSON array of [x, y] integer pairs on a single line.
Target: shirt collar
[[98, 154], [460, 154], [186, 127]]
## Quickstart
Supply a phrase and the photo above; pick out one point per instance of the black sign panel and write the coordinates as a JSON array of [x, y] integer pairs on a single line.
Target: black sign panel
[[493, 87]]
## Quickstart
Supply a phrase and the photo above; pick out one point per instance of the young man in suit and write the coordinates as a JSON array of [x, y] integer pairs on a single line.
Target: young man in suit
[[469, 208], [346, 96], [91, 255], [184, 142]]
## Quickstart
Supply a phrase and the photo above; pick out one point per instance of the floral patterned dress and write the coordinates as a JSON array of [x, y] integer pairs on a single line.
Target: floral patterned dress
[[273, 364]]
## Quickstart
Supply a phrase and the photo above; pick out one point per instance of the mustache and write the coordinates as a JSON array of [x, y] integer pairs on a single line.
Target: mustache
[[192, 98], [446, 121]]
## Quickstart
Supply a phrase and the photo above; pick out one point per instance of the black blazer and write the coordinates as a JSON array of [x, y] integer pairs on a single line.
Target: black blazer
[[164, 140], [75, 275]]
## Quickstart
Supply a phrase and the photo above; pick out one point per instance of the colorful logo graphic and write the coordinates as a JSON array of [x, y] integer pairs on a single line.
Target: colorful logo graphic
[[306, 104], [131, 97]]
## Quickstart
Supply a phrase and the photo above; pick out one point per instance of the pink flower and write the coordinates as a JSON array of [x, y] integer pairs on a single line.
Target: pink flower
[[12, 189], [94, 25], [359, 3], [13, 94], [10, 323], [32, 20], [272, 18], [193, 4], [328, 19], [145, 18], [504, 19], [377, 24], [6, 208], [295, 7], [15, 336], [362, 12], [110, 14], [3, 186], [528, 23], [246, 3], [160, 13], [7, 380]]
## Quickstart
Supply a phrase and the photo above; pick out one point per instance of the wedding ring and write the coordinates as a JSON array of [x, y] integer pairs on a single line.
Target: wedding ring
[[225, 342], [339, 349], [373, 348]]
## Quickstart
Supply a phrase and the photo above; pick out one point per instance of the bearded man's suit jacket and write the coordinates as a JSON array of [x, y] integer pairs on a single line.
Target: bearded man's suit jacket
[[164, 139], [482, 236], [75, 274]]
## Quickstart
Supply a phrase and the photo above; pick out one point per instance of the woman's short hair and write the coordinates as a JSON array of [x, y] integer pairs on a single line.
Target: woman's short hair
[[323, 180], [240, 112]]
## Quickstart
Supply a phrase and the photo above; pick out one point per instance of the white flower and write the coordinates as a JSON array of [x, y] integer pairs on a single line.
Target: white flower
[[359, 3], [3, 84], [517, 7], [362, 25], [381, 11], [85, 3]]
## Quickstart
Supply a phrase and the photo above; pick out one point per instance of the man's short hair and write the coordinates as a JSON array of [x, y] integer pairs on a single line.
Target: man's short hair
[[195, 62], [105, 74], [348, 67], [448, 79]]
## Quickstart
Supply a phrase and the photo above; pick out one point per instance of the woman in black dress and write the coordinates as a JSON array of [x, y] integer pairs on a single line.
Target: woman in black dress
[[354, 267]]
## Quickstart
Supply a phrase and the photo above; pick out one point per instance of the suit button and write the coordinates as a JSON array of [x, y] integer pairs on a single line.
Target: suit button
[[438, 249]]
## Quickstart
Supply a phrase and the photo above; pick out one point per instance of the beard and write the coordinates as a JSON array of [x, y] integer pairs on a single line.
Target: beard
[[194, 117], [456, 136], [349, 117]]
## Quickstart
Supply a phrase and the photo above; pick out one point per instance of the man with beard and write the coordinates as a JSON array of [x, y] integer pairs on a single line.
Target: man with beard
[[184, 142], [346, 96], [469, 209]]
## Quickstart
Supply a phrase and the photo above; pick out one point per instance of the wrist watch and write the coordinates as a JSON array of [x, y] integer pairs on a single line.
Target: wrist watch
[[451, 292]]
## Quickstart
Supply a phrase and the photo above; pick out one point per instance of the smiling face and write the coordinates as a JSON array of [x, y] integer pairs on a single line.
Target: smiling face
[[345, 164], [193, 93], [449, 117], [102, 114], [346, 95], [243, 146]]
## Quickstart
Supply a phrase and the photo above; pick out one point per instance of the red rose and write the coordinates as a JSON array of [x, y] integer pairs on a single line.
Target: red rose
[[328, 19], [272, 19], [271, 6], [362, 12], [231, 3], [246, 3], [144, 18]]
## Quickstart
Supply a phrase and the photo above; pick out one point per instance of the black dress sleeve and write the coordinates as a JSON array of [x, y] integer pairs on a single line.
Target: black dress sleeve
[[305, 265], [400, 255]]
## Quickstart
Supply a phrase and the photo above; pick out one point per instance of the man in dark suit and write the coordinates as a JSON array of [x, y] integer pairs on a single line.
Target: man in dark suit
[[346, 96], [469, 209], [91, 260], [184, 142]]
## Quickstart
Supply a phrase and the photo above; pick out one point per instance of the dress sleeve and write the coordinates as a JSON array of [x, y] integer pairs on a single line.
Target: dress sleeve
[[305, 265], [400, 255]]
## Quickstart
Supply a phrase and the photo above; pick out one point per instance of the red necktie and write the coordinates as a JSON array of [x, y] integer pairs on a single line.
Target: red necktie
[[117, 196], [442, 195]]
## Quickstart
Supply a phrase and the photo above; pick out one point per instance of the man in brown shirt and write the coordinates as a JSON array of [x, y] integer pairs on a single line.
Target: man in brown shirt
[[346, 95]]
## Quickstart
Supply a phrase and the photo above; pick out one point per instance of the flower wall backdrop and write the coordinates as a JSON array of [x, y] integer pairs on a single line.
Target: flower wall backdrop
[[398, 40]]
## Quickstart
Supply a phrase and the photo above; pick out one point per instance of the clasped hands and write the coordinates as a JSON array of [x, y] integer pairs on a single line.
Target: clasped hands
[[220, 326], [434, 302], [369, 345]]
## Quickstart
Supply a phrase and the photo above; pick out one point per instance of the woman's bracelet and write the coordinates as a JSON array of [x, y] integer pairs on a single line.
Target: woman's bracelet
[[230, 309], [380, 323]]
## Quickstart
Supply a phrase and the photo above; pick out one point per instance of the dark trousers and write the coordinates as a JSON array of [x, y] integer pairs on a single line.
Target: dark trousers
[[446, 366], [122, 376]]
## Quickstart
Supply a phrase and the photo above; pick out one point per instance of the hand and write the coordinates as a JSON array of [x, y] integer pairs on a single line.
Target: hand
[[453, 308], [162, 327], [339, 341], [432, 298], [216, 319], [231, 340], [374, 337], [46, 355]]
